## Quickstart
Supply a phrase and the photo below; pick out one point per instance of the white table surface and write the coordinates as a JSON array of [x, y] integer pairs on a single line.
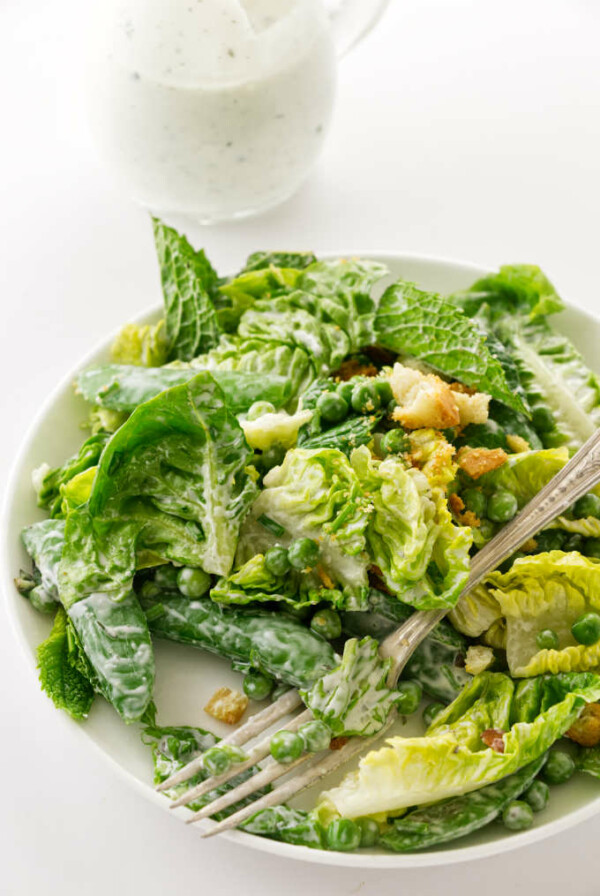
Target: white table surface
[[463, 129]]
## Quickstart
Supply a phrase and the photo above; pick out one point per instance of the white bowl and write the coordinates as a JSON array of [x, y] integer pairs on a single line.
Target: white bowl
[[186, 677]]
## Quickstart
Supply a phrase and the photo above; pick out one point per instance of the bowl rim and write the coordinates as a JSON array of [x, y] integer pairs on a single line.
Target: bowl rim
[[366, 861]]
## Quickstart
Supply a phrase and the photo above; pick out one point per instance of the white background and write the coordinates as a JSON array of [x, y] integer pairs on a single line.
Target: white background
[[463, 129]]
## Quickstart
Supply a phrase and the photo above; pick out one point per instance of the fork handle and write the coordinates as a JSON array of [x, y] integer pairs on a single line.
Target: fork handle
[[576, 478]]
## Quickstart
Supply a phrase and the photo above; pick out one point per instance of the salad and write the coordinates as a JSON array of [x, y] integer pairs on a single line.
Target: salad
[[280, 471]]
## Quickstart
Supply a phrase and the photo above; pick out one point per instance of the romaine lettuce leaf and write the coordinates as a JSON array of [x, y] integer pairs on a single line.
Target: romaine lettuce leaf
[[315, 494], [43, 542], [239, 294], [48, 482], [549, 590], [123, 387], [354, 699], [188, 280], [423, 557], [514, 289], [525, 474], [172, 481], [452, 759], [257, 261], [275, 429], [423, 325], [555, 377], [143, 345]]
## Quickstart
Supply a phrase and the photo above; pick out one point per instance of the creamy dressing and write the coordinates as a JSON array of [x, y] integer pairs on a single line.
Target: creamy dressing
[[213, 108]]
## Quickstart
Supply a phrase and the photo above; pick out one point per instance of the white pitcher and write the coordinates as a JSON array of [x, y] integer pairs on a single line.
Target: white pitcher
[[217, 109]]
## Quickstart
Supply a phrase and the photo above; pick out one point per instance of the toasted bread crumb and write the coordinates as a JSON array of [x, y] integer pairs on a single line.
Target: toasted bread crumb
[[465, 517], [426, 401], [477, 461], [227, 706], [586, 729], [354, 367], [325, 577]]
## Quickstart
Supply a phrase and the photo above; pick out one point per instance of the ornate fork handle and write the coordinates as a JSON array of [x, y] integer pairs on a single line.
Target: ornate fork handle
[[576, 478]]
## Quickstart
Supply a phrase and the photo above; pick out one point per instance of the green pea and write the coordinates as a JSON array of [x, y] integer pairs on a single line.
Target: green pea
[[193, 582], [486, 529], [591, 548], [537, 795], [149, 589], [166, 577], [431, 711], [574, 543], [344, 390], [589, 505], [475, 501], [286, 746], [257, 686], [411, 694], [303, 553], [365, 398], [277, 560], [394, 442], [332, 407], [384, 390], [518, 816], [216, 761], [559, 767], [343, 834], [369, 832], [586, 629], [550, 540], [316, 736], [502, 506], [259, 408], [542, 418], [273, 456], [327, 623], [547, 639]]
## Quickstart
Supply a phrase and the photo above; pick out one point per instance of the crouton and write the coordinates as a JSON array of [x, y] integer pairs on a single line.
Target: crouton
[[477, 461], [472, 408], [586, 729], [464, 517], [425, 400], [227, 706], [517, 444]]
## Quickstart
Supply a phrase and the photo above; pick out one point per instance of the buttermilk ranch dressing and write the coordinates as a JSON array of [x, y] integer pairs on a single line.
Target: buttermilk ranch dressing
[[214, 108]]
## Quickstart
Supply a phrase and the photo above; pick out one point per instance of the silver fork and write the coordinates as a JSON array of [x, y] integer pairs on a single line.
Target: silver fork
[[576, 478]]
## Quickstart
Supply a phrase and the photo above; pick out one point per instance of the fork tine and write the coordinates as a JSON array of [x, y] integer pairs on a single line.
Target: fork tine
[[317, 769], [256, 754], [254, 726], [271, 772]]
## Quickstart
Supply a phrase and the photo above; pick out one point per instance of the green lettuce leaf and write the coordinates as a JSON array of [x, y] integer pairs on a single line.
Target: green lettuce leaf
[[124, 387], [423, 325], [314, 494], [275, 429], [238, 295], [258, 261], [187, 281], [452, 759], [253, 583], [555, 377], [423, 557], [549, 590], [514, 289], [60, 679], [588, 761], [48, 482], [524, 474], [354, 699], [143, 345], [43, 542]]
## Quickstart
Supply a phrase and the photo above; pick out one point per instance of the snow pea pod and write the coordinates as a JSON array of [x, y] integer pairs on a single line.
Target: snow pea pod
[[271, 642], [459, 816], [435, 662]]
